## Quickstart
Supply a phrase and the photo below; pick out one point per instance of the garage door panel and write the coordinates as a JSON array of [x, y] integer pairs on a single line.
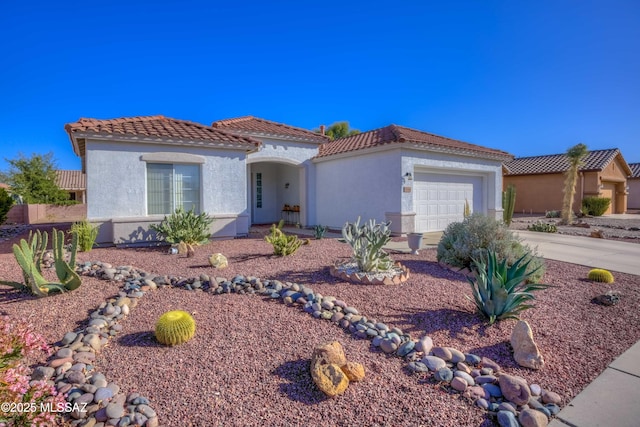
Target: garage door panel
[[439, 199]]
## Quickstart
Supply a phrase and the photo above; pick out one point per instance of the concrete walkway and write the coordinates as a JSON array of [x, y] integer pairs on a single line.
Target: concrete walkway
[[613, 398], [613, 255]]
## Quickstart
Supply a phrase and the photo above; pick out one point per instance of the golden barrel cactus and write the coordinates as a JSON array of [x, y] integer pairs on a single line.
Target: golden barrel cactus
[[600, 275], [175, 327]]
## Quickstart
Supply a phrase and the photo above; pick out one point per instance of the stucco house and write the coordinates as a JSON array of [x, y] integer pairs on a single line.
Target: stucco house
[[634, 187], [539, 180], [243, 171]]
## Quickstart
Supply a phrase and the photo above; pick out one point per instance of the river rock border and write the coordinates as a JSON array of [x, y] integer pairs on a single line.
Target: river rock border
[[72, 370]]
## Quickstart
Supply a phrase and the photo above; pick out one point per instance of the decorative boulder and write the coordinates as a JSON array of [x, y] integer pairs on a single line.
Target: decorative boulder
[[330, 379], [218, 261], [331, 371], [515, 389], [354, 371], [182, 248], [525, 350], [327, 354], [533, 418]]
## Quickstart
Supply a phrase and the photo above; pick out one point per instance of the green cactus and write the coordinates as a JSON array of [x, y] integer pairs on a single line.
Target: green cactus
[[600, 275], [66, 271], [29, 257], [319, 230], [366, 242], [283, 244], [175, 327], [508, 204]]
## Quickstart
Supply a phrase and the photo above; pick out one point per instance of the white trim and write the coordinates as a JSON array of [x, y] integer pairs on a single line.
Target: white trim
[[242, 146], [165, 157], [273, 159]]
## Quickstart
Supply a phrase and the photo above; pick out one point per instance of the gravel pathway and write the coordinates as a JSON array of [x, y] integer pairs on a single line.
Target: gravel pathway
[[248, 363]]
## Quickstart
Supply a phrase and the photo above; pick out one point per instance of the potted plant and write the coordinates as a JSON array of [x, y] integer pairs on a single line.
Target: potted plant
[[415, 242]]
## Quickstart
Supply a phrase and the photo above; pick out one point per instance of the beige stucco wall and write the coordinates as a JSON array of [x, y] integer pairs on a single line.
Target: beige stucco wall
[[633, 200], [543, 192]]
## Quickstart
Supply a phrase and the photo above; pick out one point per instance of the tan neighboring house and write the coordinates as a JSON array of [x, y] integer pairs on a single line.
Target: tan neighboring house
[[73, 182], [539, 180], [634, 187]]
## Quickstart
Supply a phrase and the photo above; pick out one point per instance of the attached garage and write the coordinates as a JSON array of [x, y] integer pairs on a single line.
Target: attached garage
[[439, 199]]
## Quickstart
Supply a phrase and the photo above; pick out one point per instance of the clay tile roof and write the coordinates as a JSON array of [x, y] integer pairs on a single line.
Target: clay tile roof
[[256, 126], [70, 180], [594, 161], [394, 134], [635, 170], [157, 126]]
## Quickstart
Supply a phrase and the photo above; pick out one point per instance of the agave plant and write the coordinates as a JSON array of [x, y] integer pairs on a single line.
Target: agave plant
[[502, 292]]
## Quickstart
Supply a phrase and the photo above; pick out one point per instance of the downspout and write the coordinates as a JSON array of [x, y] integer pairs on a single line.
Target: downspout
[[581, 186]]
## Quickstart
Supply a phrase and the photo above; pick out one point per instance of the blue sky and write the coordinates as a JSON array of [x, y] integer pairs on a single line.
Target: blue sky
[[529, 78]]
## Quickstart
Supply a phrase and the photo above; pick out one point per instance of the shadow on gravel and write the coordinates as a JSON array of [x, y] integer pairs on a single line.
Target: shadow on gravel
[[306, 277], [457, 323], [139, 339], [500, 352], [10, 295], [433, 269], [300, 386]]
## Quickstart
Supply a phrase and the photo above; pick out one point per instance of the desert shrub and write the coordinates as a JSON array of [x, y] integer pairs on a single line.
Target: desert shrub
[[184, 226], [366, 242], [600, 275], [595, 206], [87, 234], [283, 244], [6, 202], [543, 227], [501, 291], [553, 214], [462, 242], [319, 231]]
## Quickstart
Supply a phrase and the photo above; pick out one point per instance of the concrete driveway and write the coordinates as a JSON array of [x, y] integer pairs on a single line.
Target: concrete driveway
[[612, 255]]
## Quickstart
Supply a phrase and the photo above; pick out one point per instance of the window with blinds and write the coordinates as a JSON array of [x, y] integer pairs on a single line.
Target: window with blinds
[[172, 186]]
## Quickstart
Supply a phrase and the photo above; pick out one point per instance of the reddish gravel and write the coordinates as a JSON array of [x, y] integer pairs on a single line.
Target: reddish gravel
[[248, 363]]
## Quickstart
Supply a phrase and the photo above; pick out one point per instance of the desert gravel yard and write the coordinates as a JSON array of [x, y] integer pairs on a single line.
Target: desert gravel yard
[[248, 363]]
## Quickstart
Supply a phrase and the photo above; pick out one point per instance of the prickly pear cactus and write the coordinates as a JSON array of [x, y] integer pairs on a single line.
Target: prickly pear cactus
[[175, 327]]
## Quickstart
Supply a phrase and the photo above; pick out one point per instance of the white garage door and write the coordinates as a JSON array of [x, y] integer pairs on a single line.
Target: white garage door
[[439, 199]]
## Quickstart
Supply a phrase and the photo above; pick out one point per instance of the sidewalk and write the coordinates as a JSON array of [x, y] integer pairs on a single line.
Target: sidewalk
[[613, 398]]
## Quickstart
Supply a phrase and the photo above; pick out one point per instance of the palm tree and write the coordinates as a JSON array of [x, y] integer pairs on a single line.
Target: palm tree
[[576, 156]]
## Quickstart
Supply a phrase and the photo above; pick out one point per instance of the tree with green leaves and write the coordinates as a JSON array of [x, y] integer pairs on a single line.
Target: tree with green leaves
[[34, 179], [5, 205], [575, 155], [339, 130]]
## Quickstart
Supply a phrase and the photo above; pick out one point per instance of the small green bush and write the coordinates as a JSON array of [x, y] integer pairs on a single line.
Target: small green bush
[[87, 234], [462, 242], [6, 202], [595, 206], [184, 226], [543, 227], [553, 214]]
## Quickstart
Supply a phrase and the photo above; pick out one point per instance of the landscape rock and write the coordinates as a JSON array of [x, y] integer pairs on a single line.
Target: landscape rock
[[354, 371], [327, 354], [507, 419], [551, 397], [514, 389], [330, 379], [532, 418], [525, 350], [218, 261], [424, 344]]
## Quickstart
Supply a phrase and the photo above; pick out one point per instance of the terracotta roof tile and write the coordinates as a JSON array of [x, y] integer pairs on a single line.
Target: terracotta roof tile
[[256, 126], [157, 126], [71, 180], [635, 170], [394, 134], [555, 163]]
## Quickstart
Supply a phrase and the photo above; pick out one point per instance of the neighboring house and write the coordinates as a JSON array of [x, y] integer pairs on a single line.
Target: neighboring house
[[73, 182], [243, 171], [634, 186], [539, 180]]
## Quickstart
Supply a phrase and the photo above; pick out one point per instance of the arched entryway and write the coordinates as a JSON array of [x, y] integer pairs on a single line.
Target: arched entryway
[[274, 185]]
